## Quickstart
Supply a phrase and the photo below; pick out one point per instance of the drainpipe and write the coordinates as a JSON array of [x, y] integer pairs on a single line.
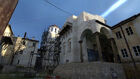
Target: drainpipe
[[134, 63]]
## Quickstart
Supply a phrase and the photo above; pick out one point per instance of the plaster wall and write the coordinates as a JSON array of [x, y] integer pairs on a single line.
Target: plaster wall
[[133, 40]]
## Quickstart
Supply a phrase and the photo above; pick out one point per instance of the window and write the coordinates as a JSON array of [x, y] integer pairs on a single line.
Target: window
[[124, 53], [23, 42], [51, 29], [21, 52], [118, 35], [18, 61], [136, 49], [34, 44], [64, 48], [129, 31], [67, 61], [55, 30], [32, 52], [69, 45]]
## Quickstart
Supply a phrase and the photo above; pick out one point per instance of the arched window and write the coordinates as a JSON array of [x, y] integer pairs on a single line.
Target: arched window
[[55, 30], [51, 29], [64, 48], [69, 45]]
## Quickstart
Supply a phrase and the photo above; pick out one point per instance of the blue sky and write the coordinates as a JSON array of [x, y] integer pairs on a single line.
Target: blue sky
[[33, 16]]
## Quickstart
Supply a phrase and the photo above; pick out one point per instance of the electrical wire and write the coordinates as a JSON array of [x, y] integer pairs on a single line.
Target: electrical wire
[[58, 7]]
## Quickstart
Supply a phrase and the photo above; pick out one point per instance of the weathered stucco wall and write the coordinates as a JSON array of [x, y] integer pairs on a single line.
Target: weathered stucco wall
[[133, 40], [7, 49], [23, 56]]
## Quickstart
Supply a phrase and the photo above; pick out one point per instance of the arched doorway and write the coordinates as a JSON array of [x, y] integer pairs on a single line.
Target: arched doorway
[[96, 46], [89, 46], [105, 42]]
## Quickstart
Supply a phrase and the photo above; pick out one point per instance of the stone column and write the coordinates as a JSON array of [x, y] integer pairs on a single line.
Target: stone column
[[99, 46], [81, 52], [115, 53]]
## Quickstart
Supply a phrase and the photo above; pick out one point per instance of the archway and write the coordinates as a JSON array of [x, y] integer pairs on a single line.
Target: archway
[[96, 46], [107, 52], [88, 47]]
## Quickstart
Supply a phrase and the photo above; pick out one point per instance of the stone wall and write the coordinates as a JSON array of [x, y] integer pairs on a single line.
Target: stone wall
[[13, 69], [131, 72], [94, 70]]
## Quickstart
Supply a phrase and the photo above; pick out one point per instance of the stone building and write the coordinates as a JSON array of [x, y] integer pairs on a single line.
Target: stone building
[[48, 46], [6, 46], [86, 39], [25, 51], [88, 49]]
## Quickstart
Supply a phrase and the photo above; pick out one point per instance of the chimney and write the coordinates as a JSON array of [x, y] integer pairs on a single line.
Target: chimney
[[25, 34]]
